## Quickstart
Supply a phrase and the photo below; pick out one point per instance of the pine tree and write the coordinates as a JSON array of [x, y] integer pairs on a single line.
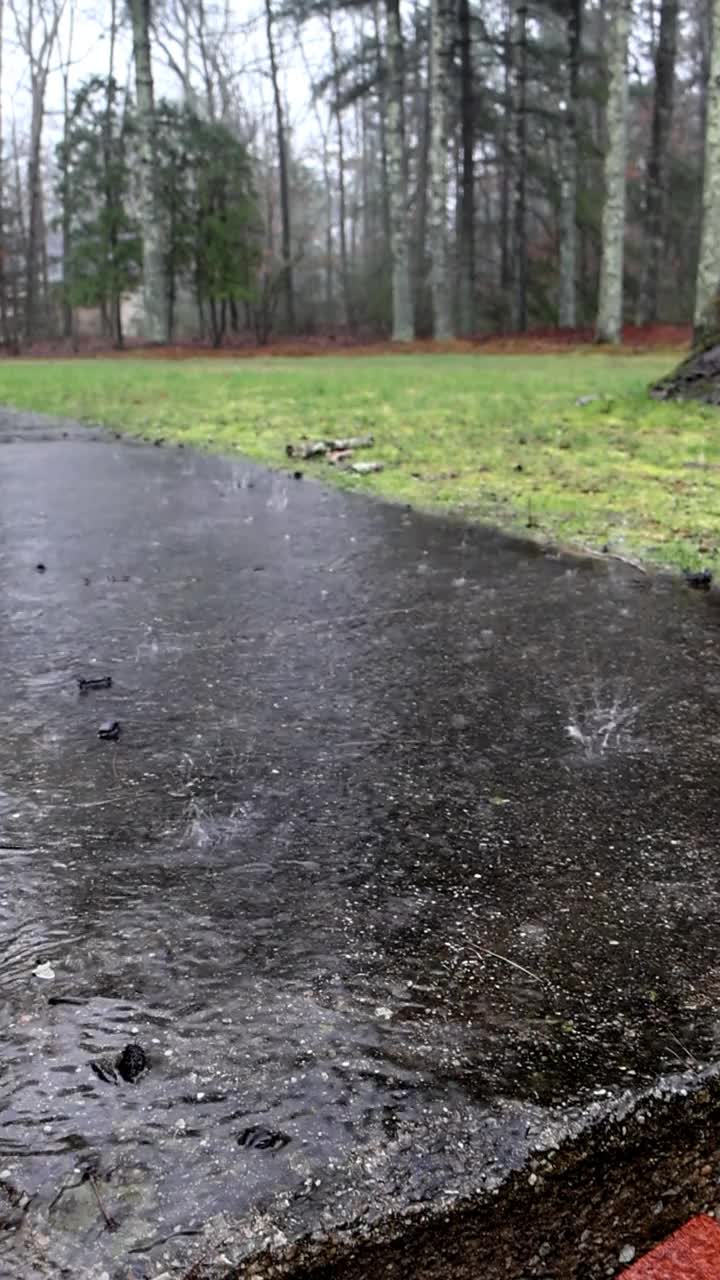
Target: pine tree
[[104, 250]]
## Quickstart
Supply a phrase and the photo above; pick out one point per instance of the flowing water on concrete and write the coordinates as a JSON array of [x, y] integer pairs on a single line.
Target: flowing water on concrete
[[405, 824]]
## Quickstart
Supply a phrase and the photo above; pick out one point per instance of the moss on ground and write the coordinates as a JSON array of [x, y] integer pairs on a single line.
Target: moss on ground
[[498, 438]]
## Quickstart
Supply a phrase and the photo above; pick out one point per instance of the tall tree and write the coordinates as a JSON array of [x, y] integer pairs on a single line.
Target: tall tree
[[520, 246], [567, 285], [441, 37], [707, 287], [37, 27], [505, 154], [704, 18], [4, 331], [381, 73], [323, 129], [403, 321], [154, 292], [656, 184], [610, 303], [282, 151], [347, 289], [423, 127], [64, 184], [466, 248]]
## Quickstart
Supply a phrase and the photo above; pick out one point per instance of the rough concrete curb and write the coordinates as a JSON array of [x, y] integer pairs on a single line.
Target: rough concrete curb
[[612, 1183]]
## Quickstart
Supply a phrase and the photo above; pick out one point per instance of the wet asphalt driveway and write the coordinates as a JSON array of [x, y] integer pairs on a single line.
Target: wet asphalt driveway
[[407, 849]]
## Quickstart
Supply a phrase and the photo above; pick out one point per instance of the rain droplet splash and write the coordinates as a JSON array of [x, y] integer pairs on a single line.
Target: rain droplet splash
[[604, 720]]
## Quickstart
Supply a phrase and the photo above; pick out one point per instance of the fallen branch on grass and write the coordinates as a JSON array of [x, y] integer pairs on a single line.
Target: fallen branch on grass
[[306, 450], [320, 447], [364, 468]]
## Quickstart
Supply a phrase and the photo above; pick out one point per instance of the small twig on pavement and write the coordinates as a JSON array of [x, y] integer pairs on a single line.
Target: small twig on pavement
[[485, 951], [110, 1222], [615, 555], [688, 1054]]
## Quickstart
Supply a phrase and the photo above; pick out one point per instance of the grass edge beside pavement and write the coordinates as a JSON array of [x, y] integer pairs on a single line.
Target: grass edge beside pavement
[[560, 447]]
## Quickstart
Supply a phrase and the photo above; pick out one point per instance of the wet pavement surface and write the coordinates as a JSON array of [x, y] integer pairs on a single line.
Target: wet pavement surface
[[406, 849]]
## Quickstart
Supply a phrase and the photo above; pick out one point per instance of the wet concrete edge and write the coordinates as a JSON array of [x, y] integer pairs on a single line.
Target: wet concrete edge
[[603, 1181]]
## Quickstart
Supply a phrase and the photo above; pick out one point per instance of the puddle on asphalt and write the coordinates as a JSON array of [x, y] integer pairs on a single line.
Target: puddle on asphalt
[[341, 870]]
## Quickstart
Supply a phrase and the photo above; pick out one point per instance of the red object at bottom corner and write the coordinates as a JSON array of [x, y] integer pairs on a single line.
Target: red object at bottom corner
[[692, 1253]]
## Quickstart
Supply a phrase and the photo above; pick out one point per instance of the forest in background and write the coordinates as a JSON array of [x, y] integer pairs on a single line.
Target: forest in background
[[386, 168]]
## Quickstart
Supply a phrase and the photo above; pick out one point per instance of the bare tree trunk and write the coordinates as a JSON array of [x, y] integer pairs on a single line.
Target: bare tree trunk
[[113, 302], [655, 193], [506, 154], [328, 187], [356, 196], [67, 309], [43, 245], [365, 211], [440, 68], [37, 27], [201, 28], [707, 289], [171, 301], [329, 257], [382, 96], [421, 196], [704, 40], [19, 210], [283, 167], [403, 320], [117, 329], [567, 300], [342, 214], [21, 241], [154, 292], [33, 224], [215, 331], [519, 320], [342, 197], [610, 304], [115, 299], [188, 93], [467, 188], [3, 201]]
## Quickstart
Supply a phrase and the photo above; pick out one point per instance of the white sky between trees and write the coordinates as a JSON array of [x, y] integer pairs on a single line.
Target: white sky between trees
[[88, 31]]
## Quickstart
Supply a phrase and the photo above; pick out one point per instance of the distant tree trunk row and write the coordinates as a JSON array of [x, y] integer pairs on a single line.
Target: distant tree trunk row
[[452, 166]]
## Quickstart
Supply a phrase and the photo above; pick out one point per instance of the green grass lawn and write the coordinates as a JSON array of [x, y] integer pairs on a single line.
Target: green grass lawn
[[496, 438]]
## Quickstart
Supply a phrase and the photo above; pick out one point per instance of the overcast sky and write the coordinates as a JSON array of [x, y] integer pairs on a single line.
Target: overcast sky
[[85, 34]]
